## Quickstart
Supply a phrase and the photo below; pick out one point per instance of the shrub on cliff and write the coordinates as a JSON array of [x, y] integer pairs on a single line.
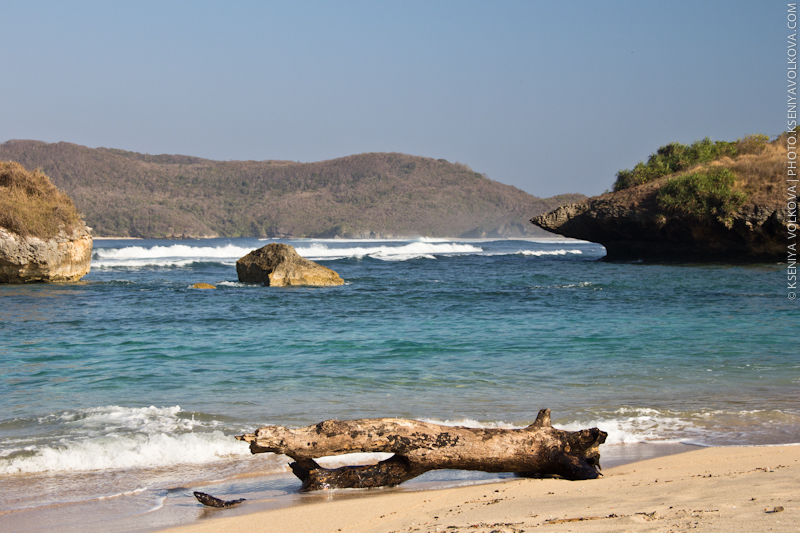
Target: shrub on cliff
[[704, 195], [31, 205], [672, 158], [675, 157]]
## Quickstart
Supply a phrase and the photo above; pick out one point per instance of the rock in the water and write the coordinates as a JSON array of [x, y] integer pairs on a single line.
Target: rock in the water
[[279, 265], [638, 230], [203, 286], [61, 258], [732, 209]]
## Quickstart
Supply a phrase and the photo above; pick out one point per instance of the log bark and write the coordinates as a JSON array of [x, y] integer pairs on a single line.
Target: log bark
[[538, 450]]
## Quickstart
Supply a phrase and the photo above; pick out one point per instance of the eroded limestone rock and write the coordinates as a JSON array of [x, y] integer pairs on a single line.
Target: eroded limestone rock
[[30, 259]]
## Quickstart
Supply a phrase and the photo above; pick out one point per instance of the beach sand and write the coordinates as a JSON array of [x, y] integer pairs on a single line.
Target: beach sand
[[711, 489]]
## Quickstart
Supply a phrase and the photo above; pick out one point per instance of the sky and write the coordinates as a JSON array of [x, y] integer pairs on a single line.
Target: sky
[[551, 97]]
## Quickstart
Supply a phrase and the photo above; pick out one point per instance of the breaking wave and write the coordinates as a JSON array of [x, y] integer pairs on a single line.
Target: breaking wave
[[539, 253], [631, 425], [116, 437], [413, 250], [179, 255], [175, 255]]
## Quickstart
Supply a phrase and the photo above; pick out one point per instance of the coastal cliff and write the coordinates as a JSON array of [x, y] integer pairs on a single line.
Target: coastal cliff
[[29, 259], [731, 208], [42, 237]]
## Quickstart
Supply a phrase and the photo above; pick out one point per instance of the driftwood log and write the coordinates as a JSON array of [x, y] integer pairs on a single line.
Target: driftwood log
[[537, 450]]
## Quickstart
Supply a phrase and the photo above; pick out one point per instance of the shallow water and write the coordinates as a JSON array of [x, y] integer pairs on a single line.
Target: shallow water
[[124, 391]]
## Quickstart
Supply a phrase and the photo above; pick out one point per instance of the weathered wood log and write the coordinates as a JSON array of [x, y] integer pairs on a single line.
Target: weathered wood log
[[537, 450]]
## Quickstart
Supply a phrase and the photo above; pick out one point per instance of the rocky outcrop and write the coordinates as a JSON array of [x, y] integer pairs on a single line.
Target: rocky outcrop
[[631, 227], [280, 265], [29, 259]]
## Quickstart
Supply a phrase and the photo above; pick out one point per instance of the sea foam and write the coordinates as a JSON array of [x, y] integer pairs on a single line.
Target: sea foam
[[178, 255], [632, 426], [539, 253], [412, 250], [174, 255], [624, 426], [116, 437]]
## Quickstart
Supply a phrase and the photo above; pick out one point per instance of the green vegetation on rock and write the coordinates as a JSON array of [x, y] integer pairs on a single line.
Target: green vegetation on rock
[[728, 203], [30, 205], [704, 195], [676, 157]]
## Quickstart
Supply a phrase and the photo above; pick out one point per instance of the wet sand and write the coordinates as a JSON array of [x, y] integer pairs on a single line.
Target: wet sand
[[712, 489]]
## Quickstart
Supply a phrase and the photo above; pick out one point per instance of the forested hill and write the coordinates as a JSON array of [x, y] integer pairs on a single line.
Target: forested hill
[[375, 194]]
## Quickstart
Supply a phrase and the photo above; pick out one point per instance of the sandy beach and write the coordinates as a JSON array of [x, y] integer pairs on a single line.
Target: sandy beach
[[710, 489]]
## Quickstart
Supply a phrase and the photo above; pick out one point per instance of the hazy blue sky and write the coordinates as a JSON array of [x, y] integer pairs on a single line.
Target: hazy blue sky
[[551, 97]]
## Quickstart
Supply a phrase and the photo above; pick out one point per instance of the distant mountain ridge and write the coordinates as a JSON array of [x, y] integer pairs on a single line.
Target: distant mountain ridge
[[124, 193]]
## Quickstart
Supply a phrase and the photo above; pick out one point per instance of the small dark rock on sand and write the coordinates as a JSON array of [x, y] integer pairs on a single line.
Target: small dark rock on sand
[[211, 501]]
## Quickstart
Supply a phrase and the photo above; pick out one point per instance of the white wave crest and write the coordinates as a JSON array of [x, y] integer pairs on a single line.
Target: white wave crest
[[236, 284], [629, 426], [413, 250], [175, 255], [119, 452], [539, 253], [624, 426], [116, 437], [471, 423], [176, 250]]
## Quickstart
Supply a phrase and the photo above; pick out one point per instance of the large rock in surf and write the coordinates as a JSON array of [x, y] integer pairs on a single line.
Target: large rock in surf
[[280, 265], [42, 236]]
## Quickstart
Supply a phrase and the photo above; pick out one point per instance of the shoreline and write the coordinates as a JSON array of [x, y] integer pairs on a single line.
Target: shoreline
[[531, 238], [747, 488]]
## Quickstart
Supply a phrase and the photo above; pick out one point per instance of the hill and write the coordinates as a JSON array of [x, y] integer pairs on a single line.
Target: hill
[[374, 194], [723, 201]]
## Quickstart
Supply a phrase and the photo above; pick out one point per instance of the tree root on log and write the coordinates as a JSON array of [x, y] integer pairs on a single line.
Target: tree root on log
[[535, 451]]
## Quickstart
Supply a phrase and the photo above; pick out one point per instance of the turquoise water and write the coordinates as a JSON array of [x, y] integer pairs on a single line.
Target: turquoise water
[[131, 384]]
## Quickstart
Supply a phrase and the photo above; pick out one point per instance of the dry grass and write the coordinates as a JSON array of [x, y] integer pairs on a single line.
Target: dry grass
[[31, 205], [759, 174], [759, 171]]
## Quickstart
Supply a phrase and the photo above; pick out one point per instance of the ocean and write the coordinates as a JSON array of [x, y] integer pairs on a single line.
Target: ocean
[[122, 393]]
